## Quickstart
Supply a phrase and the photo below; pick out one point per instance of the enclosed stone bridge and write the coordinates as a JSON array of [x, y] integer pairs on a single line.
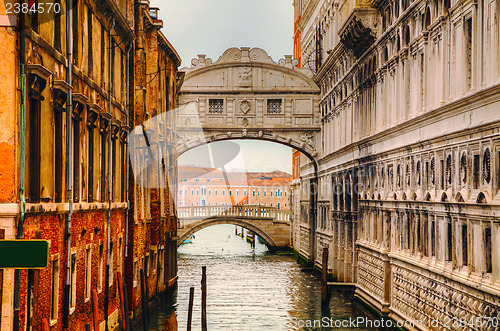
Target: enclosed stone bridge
[[272, 225], [246, 95]]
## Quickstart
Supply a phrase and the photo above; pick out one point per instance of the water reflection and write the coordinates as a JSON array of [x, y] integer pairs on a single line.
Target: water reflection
[[250, 289]]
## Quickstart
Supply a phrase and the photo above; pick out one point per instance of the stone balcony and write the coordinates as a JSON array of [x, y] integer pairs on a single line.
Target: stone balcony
[[359, 25]]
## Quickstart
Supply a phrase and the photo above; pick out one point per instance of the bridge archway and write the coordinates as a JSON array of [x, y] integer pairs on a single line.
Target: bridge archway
[[246, 95], [205, 223], [310, 154]]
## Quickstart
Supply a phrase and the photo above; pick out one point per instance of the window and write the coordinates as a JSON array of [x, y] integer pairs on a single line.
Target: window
[[230, 192], [72, 291], [468, 52], [112, 60], [244, 193], [180, 192], [120, 256], [197, 180], [237, 193], [58, 145], [90, 53], [450, 243], [433, 238], [104, 135], [258, 193], [55, 289], [215, 192], [123, 160], [253, 193], [476, 171], [111, 270], [101, 265], [465, 258], [91, 118], [57, 27], [487, 250], [136, 273], [88, 268], [33, 140], [223, 192], [78, 108], [216, 106], [192, 192], [103, 52], [271, 192], [209, 192], [197, 192], [113, 159], [34, 17], [265, 193], [75, 30], [274, 106]]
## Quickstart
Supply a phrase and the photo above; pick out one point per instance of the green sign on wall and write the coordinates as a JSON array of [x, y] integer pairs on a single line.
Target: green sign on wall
[[24, 254]]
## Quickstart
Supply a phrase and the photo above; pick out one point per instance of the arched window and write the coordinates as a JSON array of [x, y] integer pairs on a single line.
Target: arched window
[[427, 18]]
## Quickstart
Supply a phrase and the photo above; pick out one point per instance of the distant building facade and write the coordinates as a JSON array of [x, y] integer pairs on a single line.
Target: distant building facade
[[68, 103], [210, 187], [409, 187]]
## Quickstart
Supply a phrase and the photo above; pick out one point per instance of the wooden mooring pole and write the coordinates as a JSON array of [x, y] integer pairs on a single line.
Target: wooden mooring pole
[[145, 316], [204, 298], [190, 309], [324, 284]]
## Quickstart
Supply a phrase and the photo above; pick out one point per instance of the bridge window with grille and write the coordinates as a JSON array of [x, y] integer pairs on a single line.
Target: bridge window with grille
[[274, 106], [216, 106]]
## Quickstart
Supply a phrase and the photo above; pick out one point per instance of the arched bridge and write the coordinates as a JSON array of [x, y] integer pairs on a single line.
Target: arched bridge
[[272, 225]]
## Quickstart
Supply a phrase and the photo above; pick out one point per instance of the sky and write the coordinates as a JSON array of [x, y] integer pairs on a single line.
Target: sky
[[210, 27]]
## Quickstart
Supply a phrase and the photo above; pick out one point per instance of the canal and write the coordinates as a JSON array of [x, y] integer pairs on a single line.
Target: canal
[[251, 289]]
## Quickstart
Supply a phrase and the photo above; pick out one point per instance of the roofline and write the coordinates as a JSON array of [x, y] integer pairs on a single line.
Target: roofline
[[169, 48]]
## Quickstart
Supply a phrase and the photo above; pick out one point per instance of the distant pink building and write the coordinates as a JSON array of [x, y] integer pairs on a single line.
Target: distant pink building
[[210, 187]]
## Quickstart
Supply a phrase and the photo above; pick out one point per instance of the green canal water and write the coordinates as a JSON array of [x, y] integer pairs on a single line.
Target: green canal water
[[251, 289]]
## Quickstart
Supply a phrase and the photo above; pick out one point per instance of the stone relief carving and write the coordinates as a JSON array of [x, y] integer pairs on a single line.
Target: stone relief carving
[[245, 76], [308, 138], [245, 106]]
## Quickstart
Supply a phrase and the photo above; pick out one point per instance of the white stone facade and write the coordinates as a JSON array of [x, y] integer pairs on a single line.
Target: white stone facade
[[410, 114]]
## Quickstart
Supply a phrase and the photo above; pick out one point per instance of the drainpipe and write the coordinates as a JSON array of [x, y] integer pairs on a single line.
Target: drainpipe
[[69, 182], [127, 188], [110, 167], [22, 139]]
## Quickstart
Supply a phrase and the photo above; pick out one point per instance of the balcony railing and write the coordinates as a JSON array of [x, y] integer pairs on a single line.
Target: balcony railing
[[248, 211]]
